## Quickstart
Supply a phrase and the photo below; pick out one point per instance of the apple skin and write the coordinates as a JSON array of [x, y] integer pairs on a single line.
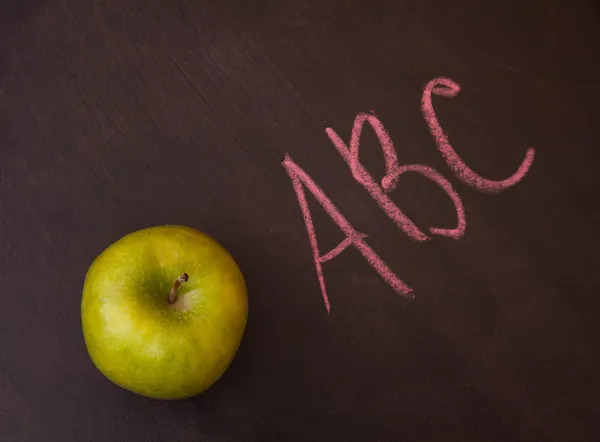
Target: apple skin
[[140, 341]]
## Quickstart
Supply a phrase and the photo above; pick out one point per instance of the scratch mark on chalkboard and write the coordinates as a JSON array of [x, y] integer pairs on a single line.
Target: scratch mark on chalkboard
[[191, 83], [223, 123], [301, 179], [448, 88]]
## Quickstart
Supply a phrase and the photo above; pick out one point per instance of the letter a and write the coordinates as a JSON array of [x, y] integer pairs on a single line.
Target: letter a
[[300, 180]]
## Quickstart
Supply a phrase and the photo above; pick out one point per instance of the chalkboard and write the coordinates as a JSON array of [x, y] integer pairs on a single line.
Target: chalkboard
[[409, 187]]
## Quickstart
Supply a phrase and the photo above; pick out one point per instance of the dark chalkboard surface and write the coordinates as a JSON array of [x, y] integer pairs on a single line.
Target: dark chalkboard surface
[[120, 115]]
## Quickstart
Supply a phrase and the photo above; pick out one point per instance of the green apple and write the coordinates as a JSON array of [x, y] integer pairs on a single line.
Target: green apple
[[163, 312]]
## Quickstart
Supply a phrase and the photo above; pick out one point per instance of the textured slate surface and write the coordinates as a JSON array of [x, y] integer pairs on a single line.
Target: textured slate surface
[[117, 115]]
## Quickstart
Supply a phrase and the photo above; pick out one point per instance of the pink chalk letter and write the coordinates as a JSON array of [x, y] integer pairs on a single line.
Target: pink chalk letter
[[301, 179], [393, 171], [448, 88]]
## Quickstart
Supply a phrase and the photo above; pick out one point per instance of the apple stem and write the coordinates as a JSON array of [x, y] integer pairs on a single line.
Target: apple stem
[[173, 295]]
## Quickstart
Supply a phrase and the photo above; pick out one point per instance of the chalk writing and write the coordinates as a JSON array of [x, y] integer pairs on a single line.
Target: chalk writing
[[350, 154], [353, 238], [393, 171], [448, 88]]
